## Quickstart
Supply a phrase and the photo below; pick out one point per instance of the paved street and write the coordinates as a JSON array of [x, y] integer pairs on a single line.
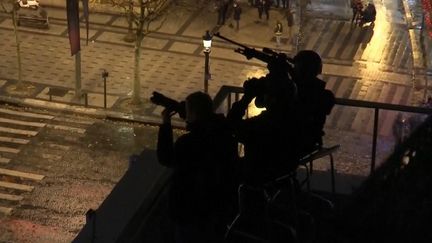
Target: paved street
[[373, 63], [172, 59], [369, 63], [54, 166], [378, 63]]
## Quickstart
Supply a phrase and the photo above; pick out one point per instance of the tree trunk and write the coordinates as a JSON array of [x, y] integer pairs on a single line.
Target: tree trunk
[[137, 71]]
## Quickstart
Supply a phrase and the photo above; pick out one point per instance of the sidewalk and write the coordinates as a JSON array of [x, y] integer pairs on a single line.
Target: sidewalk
[[421, 44], [260, 33]]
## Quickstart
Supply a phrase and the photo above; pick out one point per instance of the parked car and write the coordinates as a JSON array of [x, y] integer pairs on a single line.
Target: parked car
[[33, 17]]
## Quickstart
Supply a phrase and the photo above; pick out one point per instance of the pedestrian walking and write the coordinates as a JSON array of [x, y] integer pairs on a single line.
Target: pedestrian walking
[[222, 8], [278, 32], [237, 12], [357, 8], [267, 4], [290, 22], [263, 7]]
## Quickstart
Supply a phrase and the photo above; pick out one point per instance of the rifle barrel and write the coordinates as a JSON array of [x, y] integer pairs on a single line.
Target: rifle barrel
[[231, 41]]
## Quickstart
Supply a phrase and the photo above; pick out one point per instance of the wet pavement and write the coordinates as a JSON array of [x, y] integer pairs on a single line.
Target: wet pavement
[[172, 58], [380, 64]]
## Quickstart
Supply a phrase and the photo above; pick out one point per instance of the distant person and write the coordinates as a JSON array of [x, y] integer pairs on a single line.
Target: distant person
[[401, 129], [278, 29], [282, 3], [237, 13], [290, 22], [357, 9], [264, 7], [368, 15], [429, 102], [316, 101], [203, 188], [222, 8]]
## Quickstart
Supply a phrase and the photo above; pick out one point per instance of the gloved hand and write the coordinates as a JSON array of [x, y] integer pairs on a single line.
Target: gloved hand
[[253, 87]]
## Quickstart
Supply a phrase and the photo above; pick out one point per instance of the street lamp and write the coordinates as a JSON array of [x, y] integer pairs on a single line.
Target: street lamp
[[207, 40]]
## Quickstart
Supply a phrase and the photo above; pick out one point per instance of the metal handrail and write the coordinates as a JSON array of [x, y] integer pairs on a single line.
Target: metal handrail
[[226, 91]]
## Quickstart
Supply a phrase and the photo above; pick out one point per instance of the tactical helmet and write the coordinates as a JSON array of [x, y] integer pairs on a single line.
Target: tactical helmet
[[308, 62]]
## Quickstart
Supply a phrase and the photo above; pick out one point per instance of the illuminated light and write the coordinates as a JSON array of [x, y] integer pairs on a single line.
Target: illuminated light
[[256, 73], [253, 110], [405, 160], [207, 41]]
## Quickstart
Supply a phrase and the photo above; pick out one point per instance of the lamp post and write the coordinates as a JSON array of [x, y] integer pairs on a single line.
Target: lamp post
[[105, 76], [207, 40], [301, 10], [424, 55]]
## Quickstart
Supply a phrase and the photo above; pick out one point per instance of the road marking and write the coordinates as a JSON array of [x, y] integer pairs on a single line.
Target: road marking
[[10, 197], [4, 160], [9, 150], [16, 186], [58, 146], [5, 210], [14, 140], [51, 156], [24, 123], [21, 174], [26, 114], [67, 128], [65, 119], [346, 54], [337, 44], [330, 83], [18, 131]]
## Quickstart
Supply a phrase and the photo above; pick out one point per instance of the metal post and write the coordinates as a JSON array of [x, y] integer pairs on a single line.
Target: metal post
[[206, 71], [301, 8], [78, 75], [374, 141], [425, 57], [105, 102], [104, 76]]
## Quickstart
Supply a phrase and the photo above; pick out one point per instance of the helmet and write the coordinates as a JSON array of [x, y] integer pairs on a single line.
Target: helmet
[[308, 62]]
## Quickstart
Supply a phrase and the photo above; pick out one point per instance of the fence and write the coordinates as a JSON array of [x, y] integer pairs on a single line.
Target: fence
[[228, 94]]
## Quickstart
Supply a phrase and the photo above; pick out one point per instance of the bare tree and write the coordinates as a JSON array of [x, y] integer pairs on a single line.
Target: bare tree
[[144, 17], [11, 7]]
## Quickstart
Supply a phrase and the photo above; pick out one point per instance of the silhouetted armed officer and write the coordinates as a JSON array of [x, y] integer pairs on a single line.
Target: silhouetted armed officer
[[202, 184], [316, 101], [273, 138]]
